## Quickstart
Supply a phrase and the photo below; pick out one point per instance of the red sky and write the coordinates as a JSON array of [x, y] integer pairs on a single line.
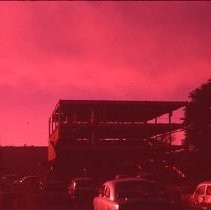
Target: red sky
[[96, 50]]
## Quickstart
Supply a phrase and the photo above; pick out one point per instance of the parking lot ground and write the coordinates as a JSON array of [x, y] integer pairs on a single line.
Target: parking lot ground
[[36, 201]]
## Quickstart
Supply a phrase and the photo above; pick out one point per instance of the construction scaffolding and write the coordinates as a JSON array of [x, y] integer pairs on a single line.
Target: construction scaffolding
[[89, 130]]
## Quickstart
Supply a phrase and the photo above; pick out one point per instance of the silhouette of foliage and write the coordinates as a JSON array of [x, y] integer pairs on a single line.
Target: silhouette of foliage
[[198, 118], [198, 129]]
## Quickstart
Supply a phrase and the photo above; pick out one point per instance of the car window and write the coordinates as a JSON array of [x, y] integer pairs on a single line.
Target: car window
[[134, 189], [200, 190], [107, 192], [30, 179], [55, 185], [102, 190], [85, 183], [208, 190]]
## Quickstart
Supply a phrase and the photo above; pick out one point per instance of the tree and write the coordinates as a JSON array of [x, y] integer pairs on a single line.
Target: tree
[[198, 118], [198, 128]]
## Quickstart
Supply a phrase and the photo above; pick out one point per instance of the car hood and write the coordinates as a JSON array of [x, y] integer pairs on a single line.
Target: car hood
[[141, 200], [149, 203]]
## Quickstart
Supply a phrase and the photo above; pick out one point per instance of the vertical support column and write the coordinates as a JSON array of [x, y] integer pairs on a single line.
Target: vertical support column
[[49, 126], [59, 120], [170, 137], [92, 117], [59, 117], [93, 128], [73, 129], [156, 121], [74, 118], [146, 131], [52, 122]]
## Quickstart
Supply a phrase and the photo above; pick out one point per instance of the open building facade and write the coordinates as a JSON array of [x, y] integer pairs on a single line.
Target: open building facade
[[100, 135]]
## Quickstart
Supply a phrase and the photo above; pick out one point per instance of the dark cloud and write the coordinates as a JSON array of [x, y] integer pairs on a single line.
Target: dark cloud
[[98, 50]]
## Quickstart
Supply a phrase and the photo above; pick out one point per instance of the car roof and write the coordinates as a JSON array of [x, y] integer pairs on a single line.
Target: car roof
[[29, 177], [205, 182], [83, 178], [116, 181]]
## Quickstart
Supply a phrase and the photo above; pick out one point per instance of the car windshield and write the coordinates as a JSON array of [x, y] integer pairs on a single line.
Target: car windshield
[[136, 189], [30, 179], [85, 183], [56, 186], [209, 190]]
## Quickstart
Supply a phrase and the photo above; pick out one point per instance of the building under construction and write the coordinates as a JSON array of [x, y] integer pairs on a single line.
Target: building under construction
[[101, 135]]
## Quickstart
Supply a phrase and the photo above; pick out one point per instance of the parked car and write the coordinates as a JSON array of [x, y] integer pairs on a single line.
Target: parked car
[[121, 176], [27, 183], [82, 188], [53, 190], [131, 194], [6, 182], [201, 197]]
